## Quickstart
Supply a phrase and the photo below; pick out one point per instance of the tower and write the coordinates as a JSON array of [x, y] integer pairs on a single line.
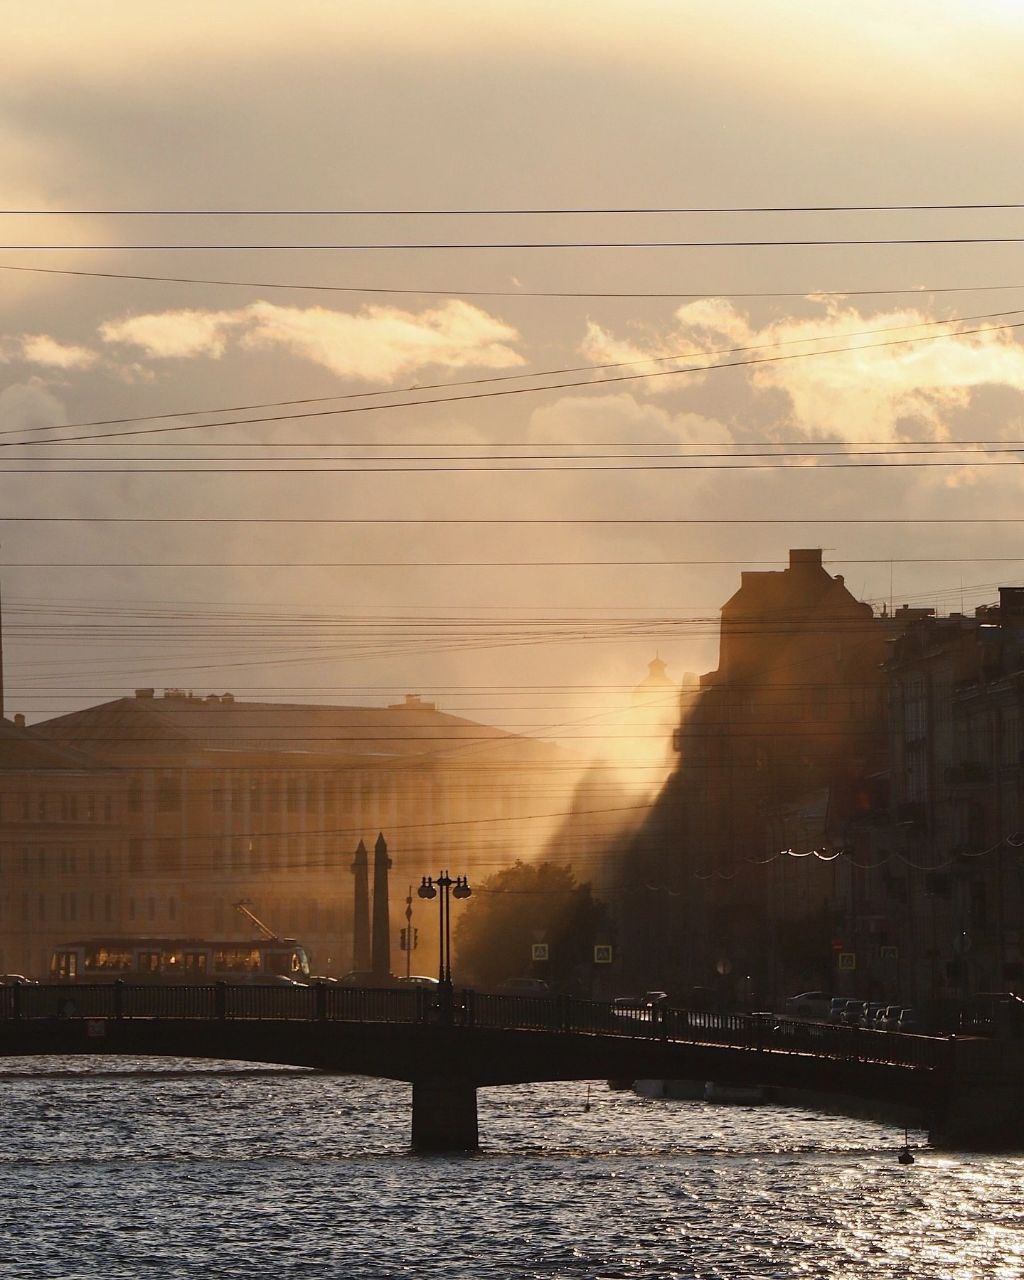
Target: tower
[[361, 910], [381, 943]]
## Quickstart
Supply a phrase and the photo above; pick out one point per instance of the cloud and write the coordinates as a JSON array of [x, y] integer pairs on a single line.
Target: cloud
[[376, 344], [175, 334], [869, 392], [40, 348], [382, 342]]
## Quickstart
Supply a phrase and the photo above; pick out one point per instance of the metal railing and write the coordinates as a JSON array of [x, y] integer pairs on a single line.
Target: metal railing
[[323, 1002]]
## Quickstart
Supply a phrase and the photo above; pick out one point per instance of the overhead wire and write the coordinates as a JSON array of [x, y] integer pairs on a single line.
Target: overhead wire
[[454, 291]]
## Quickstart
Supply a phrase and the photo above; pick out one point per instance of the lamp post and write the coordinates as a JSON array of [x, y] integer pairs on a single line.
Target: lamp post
[[449, 888]]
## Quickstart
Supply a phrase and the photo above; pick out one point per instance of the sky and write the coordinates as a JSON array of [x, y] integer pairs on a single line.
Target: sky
[[402, 106]]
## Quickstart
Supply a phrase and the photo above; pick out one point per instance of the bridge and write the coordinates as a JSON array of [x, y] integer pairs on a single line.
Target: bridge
[[447, 1044]]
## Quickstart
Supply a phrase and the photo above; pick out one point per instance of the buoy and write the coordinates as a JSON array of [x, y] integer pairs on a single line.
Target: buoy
[[905, 1156]]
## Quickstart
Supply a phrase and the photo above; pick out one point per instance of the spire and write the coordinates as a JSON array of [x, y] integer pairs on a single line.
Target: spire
[[381, 942], [361, 910]]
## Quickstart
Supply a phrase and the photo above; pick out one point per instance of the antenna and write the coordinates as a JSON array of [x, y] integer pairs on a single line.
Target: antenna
[[243, 906]]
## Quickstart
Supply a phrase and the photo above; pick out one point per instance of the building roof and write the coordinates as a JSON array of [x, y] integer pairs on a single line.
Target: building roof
[[178, 724], [790, 594], [21, 748]]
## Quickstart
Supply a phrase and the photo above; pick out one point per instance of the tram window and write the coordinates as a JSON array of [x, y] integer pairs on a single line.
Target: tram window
[[64, 964], [236, 960], [148, 961], [195, 961]]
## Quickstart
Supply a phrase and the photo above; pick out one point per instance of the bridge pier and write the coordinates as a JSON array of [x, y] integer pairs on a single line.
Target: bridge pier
[[984, 1107], [444, 1115]]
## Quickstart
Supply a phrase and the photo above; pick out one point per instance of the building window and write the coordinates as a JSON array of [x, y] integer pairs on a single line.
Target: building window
[[107, 907], [108, 809], [293, 797], [170, 856], [255, 793], [131, 908], [168, 794], [151, 905], [135, 795], [172, 909], [42, 906], [237, 794], [135, 855], [217, 794]]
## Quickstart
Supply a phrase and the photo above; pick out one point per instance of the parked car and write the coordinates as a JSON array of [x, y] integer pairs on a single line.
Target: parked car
[[418, 980], [889, 1017], [809, 1004], [907, 1020], [524, 987], [871, 1011], [853, 1013], [836, 1009], [16, 980]]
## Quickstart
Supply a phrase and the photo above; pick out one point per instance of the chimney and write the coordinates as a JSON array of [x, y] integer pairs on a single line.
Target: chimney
[[19, 720], [1011, 606], [361, 910], [381, 942], [805, 557]]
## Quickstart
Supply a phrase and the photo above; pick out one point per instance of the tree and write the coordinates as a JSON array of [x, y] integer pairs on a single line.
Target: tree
[[524, 904]]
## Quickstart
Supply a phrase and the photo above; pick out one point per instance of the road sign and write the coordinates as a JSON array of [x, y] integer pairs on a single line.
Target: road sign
[[602, 954], [540, 951], [890, 953], [847, 960]]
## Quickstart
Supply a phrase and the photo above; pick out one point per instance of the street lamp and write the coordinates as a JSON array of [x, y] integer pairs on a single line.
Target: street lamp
[[449, 888]]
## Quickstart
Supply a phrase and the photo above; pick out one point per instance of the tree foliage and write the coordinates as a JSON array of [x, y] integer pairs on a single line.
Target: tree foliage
[[521, 905]]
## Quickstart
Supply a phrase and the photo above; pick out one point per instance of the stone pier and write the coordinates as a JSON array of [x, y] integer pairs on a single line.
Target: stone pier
[[983, 1109], [444, 1115]]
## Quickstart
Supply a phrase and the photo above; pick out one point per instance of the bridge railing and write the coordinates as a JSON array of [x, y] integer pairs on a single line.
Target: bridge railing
[[566, 1014]]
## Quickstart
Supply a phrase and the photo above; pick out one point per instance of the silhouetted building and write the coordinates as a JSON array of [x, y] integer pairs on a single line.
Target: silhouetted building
[[794, 708], [231, 800], [62, 849]]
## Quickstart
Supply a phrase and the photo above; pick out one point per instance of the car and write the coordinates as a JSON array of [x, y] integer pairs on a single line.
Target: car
[[16, 980], [418, 980], [853, 1013], [888, 1018], [836, 1009], [871, 1011], [809, 1004], [907, 1020], [524, 987]]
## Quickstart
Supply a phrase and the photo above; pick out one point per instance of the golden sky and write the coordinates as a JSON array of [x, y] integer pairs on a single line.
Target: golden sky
[[451, 106]]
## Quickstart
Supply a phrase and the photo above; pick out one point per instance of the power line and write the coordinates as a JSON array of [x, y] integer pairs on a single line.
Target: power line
[[509, 212], [918, 290], [516, 520], [596, 450], [272, 469], [475, 564], [453, 246]]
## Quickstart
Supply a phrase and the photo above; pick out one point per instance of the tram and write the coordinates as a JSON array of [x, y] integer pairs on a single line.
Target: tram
[[179, 960]]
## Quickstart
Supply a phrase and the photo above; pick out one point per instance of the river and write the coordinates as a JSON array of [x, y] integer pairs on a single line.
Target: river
[[143, 1168]]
